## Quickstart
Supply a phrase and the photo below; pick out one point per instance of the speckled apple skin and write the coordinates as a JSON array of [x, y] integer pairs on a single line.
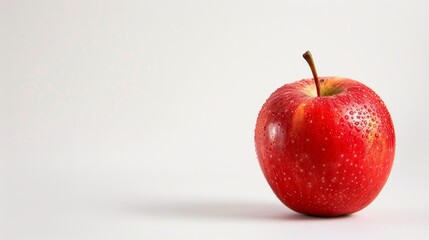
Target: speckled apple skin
[[328, 155]]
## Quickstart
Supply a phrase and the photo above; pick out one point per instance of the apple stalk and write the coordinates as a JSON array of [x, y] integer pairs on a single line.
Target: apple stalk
[[309, 58]]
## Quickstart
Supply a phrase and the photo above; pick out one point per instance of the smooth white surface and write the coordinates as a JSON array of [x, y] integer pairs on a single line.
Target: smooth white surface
[[134, 119]]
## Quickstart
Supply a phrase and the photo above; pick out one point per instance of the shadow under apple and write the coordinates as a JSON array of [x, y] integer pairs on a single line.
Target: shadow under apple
[[221, 210]]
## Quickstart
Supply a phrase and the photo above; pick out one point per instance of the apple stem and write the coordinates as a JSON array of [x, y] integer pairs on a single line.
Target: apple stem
[[307, 56]]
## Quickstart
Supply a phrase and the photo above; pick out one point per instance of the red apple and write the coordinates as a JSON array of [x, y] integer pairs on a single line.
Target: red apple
[[325, 145]]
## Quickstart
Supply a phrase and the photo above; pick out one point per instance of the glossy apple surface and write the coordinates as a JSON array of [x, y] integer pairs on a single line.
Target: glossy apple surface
[[325, 155]]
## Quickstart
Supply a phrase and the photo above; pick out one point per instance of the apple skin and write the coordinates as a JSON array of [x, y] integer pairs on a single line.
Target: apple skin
[[329, 155]]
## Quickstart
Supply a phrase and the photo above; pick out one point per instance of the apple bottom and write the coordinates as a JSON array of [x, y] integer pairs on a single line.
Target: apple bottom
[[330, 199]]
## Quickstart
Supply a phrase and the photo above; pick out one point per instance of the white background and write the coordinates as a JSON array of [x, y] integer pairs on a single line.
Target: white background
[[135, 119]]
